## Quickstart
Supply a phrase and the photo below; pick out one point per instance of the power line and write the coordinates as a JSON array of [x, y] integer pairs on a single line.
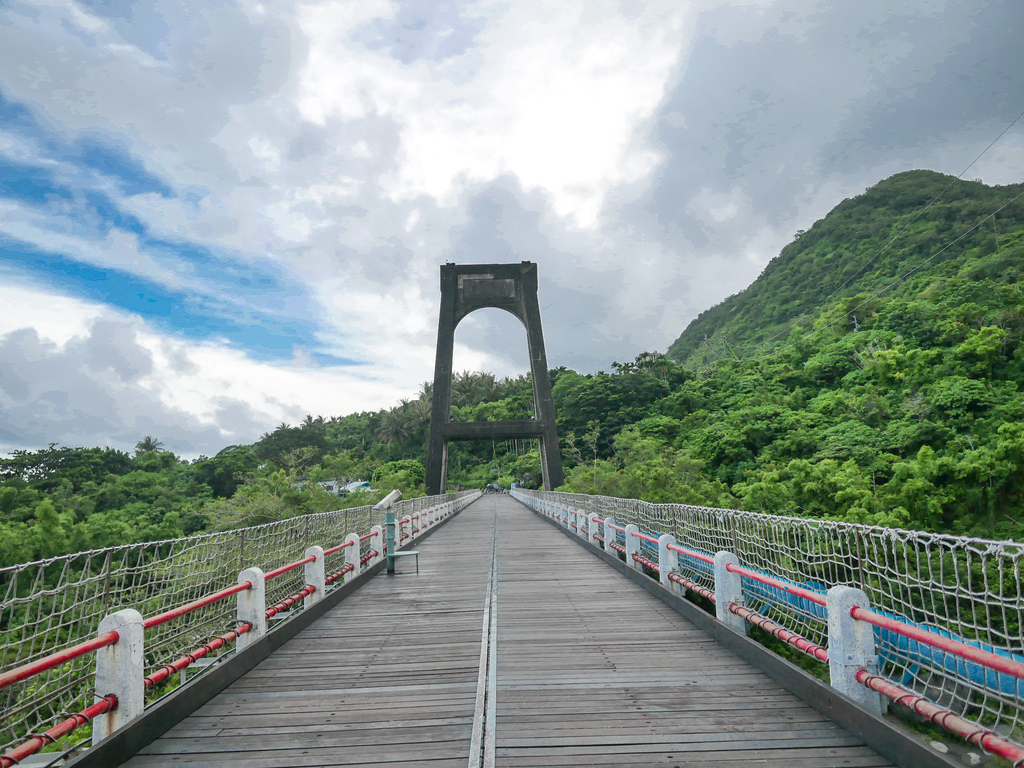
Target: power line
[[904, 276], [889, 242]]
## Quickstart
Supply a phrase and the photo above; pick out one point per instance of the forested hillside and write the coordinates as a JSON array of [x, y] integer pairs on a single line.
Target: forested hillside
[[895, 402], [921, 223]]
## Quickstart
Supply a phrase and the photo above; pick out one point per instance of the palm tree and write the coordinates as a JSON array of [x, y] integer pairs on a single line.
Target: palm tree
[[148, 444]]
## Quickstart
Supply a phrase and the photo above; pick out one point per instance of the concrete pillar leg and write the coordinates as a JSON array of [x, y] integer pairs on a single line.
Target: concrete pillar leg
[[119, 670], [609, 534], [315, 576], [632, 547], [377, 543], [352, 557], [252, 607], [851, 646], [592, 528], [668, 560], [728, 590]]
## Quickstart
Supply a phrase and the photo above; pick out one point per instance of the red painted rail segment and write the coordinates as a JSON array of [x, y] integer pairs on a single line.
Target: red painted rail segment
[[338, 548], [190, 658], [288, 602], [783, 634], [693, 586], [645, 537], [51, 736], [793, 589], [954, 647], [646, 563], [195, 605], [982, 737], [338, 574], [692, 553], [361, 539], [291, 566], [25, 671]]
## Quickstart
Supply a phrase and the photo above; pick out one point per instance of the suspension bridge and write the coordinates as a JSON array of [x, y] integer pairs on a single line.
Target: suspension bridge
[[546, 629]]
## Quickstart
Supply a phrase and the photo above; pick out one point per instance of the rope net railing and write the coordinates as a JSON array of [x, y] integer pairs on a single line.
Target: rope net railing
[[969, 590], [51, 604]]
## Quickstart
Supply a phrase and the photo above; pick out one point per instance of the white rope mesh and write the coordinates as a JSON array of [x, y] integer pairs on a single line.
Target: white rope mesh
[[967, 589], [52, 604]]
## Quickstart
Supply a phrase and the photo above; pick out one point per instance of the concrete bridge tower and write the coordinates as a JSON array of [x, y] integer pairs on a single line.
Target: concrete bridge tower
[[466, 288]]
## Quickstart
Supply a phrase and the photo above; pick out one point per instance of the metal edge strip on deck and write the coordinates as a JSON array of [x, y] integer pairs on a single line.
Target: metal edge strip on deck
[[156, 720], [889, 740], [481, 746]]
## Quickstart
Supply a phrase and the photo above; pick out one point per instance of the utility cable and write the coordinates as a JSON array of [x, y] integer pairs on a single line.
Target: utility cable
[[889, 241]]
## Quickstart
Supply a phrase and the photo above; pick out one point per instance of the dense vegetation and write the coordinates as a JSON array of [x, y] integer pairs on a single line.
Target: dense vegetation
[[871, 374]]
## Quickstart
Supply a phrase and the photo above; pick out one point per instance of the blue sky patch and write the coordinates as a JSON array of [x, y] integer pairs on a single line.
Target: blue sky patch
[[265, 336]]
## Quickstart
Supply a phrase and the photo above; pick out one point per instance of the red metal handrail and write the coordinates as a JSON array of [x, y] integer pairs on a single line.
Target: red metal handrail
[[290, 567], [363, 538], [338, 574], [614, 527], [645, 537], [982, 737], [288, 602], [693, 586], [25, 671], [195, 605], [51, 736], [783, 634], [692, 553], [814, 597], [338, 548], [954, 647], [190, 658]]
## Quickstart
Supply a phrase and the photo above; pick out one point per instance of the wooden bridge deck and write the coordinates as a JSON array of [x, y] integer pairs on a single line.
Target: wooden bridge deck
[[591, 670]]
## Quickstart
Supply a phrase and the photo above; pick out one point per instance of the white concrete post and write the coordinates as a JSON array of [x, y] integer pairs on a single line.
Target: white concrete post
[[851, 646], [377, 543], [252, 607], [119, 670], [609, 534], [581, 517], [728, 590], [352, 557], [668, 560], [591, 528], [315, 576], [632, 546]]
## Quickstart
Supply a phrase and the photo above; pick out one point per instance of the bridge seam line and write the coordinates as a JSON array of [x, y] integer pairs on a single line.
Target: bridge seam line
[[483, 713]]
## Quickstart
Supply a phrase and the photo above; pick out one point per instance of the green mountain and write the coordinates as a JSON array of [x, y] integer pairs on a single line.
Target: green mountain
[[927, 226]]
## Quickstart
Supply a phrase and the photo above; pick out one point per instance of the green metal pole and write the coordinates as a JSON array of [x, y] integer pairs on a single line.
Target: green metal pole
[[389, 533]]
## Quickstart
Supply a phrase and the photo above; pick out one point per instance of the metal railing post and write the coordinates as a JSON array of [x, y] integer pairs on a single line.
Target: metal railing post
[[315, 576], [252, 607], [728, 590], [609, 534], [632, 547], [668, 560], [119, 670], [851, 646], [352, 556]]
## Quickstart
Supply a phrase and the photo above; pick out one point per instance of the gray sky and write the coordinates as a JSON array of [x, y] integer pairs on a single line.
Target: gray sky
[[216, 217]]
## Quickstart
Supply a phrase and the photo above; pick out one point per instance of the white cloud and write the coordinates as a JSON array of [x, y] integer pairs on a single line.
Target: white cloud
[[81, 374], [552, 93]]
